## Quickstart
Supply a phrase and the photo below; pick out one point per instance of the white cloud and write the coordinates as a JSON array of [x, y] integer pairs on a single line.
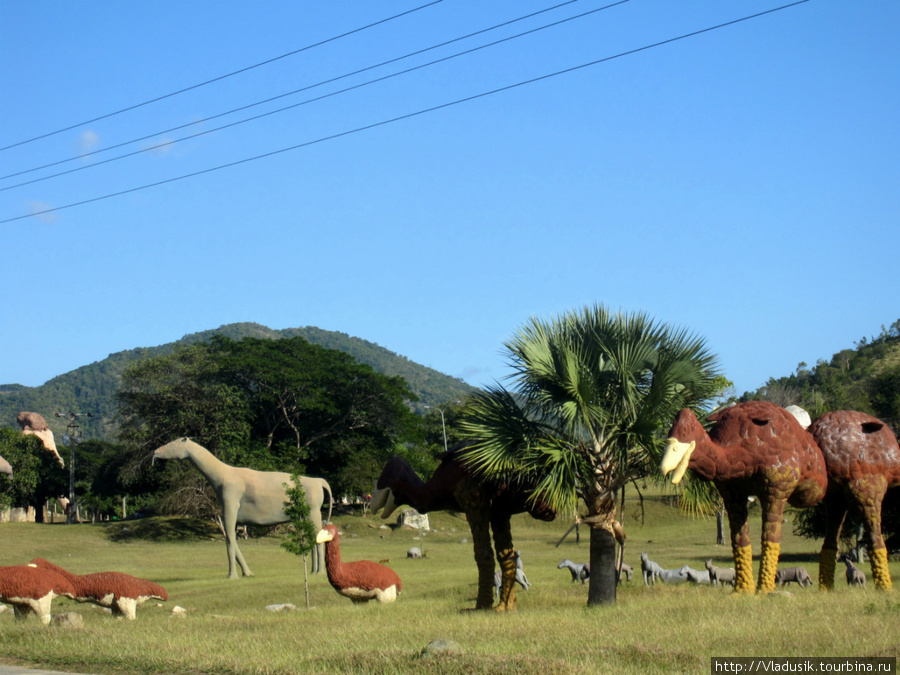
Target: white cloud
[[42, 211], [88, 141]]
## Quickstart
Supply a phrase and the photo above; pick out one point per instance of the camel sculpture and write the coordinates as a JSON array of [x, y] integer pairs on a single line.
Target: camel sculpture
[[250, 497], [35, 425], [862, 459], [753, 449], [360, 581], [488, 508]]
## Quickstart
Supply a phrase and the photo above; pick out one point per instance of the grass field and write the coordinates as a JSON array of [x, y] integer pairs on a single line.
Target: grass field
[[226, 629]]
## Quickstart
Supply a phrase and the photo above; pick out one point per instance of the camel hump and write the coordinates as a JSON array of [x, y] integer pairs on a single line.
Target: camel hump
[[396, 470]]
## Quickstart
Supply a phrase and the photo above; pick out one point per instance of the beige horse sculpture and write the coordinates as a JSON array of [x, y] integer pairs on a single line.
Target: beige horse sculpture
[[250, 497]]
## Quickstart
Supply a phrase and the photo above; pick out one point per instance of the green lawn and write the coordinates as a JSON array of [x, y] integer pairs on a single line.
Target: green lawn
[[228, 630]]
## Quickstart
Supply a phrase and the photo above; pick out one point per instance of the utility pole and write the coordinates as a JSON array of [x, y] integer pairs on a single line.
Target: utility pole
[[71, 439]]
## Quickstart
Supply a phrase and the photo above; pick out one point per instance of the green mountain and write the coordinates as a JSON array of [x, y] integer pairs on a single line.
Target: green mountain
[[92, 388], [866, 379]]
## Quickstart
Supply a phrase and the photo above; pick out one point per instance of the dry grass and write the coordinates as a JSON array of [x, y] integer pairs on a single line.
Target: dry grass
[[227, 629]]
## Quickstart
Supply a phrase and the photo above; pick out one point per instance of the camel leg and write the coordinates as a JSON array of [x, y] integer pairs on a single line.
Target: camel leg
[[506, 556], [773, 513], [736, 507], [835, 513], [477, 507], [868, 493]]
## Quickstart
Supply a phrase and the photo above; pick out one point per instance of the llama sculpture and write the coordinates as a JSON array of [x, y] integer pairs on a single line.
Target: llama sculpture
[[718, 575], [862, 459], [117, 591], [753, 449], [360, 581], [250, 497], [488, 507]]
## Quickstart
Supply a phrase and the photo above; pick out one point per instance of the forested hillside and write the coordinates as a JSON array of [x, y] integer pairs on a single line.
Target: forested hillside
[[866, 378], [92, 388]]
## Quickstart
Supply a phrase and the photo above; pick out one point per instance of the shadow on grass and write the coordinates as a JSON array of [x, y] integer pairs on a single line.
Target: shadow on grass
[[159, 528]]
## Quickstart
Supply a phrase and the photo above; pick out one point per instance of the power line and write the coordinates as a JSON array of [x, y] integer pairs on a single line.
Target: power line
[[221, 77], [322, 97], [280, 96], [411, 115]]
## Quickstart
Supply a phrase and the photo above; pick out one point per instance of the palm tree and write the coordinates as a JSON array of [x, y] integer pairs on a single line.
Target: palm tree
[[594, 392]]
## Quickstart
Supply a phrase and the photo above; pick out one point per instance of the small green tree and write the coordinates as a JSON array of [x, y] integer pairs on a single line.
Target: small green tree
[[301, 538]]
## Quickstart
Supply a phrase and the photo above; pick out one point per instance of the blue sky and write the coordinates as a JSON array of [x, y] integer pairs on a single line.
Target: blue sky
[[743, 183]]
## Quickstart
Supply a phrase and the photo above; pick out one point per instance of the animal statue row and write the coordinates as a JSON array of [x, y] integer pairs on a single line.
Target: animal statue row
[[31, 589], [250, 497], [759, 449], [488, 507], [582, 571]]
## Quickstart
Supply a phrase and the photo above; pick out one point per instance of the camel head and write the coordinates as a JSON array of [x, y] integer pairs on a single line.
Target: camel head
[[5, 467], [179, 449], [677, 458], [383, 498], [326, 534]]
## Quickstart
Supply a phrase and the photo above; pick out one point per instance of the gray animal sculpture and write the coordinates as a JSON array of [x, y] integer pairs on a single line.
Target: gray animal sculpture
[[626, 570], [250, 497], [415, 552], [724, 575], [696, 576], [674, 576], [855, 576], [5, 467], [580, 572], [797, 575], [650, 570]]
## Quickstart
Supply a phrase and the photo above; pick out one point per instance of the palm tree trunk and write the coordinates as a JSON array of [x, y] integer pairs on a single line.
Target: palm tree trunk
[[602, 582]]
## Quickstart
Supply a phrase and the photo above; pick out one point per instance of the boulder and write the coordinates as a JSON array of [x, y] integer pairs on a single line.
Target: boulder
[[412, 518]]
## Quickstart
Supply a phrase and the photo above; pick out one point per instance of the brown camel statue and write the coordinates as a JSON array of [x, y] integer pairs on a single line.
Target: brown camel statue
[[753, 449], [488, 508], [862, 459]]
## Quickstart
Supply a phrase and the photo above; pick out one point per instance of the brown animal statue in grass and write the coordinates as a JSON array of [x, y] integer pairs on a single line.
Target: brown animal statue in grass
[[119, 592], [31, 590], [753, 449], [488, 507], [360, 581], [862, 458]]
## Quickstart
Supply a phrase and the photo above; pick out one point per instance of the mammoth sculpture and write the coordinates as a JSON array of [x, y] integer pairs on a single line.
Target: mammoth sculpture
[[250, 497]]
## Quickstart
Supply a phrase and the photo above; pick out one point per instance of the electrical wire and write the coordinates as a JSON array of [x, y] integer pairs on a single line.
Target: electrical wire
[[168, 143], [411, 115], [221, 77], [87, 155]]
